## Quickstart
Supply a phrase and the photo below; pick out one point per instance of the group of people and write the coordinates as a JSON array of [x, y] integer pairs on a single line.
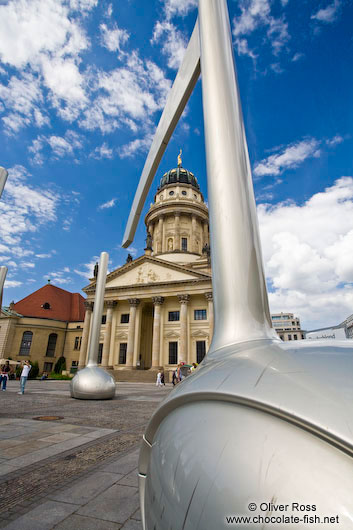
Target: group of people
[[179, 374], [6, 371]]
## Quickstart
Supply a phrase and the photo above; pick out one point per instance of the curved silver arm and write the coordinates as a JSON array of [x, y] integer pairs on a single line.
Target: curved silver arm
[[3, 272], [179, 94], [3, 178]]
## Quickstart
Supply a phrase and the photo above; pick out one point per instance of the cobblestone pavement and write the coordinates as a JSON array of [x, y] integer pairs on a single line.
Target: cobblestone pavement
[[76, 472]]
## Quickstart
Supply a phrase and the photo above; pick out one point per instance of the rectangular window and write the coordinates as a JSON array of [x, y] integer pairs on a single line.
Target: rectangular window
[[289, 337], [74, 364], [100, 353], [48, 367], [125, 318], [173, 353], [200, 350], [295, 337], [200, 314], [173, 316], [77, 343], [184, 244], [122, 352], [104, 319]]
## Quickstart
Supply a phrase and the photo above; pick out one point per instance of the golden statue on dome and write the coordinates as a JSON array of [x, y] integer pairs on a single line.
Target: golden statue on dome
[[179, 158]]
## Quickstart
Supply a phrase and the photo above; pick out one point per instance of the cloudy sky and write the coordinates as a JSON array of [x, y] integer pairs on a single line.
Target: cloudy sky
[[82, 87]]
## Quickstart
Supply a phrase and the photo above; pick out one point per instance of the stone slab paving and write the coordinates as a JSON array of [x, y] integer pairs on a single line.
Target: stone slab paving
[[79, 472], [106, 499], [24, 442]]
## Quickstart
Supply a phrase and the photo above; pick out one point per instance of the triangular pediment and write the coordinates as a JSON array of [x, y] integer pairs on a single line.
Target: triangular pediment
[[149, 270]]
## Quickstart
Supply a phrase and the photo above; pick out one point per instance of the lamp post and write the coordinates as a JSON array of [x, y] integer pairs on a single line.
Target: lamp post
[[92, 382]]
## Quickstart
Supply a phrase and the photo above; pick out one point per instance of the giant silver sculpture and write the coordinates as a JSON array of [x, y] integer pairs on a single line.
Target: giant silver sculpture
[[3, 178], [92, 382], [3, 269], [261, 424]]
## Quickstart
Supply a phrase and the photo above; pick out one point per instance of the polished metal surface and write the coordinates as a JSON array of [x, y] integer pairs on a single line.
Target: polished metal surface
[[3, 272], [3, 178], [179, 94], [260, 421], [93, 382]]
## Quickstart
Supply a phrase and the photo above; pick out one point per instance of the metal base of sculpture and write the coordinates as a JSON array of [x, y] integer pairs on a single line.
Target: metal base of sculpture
[[92, 383]]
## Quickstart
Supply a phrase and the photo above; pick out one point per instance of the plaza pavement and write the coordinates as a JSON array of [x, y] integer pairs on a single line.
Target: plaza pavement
[[78, 472]]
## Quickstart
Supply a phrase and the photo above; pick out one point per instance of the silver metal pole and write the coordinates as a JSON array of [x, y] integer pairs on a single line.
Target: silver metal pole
[[239, 288], [3, 272], [3, 178], [98, 310]]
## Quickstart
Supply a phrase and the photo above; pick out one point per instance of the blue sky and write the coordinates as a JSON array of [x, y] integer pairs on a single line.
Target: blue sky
[[82, 87]]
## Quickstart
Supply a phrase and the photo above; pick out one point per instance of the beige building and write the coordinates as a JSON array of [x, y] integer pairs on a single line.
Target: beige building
[[158, 307], [44, 326], [287, 326]]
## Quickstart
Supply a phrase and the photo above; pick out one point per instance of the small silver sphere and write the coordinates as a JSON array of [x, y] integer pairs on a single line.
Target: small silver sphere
[[92, 383]]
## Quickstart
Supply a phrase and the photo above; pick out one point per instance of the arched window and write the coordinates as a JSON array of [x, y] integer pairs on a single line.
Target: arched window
[[26, 343], [51, 345]]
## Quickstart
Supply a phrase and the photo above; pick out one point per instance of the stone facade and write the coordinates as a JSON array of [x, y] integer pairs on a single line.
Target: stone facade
[[158, 307], [287, 326]]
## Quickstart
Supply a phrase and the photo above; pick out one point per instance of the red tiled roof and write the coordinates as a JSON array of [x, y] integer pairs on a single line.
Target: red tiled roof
[[65, 306]]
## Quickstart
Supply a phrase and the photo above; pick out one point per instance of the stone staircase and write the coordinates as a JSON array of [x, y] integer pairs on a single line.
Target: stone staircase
[[134, 376]]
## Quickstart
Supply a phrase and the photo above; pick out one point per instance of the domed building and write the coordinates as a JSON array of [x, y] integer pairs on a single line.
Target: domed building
[[158, 307]]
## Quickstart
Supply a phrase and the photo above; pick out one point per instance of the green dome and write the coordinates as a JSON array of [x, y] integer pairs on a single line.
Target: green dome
[[181, 175]]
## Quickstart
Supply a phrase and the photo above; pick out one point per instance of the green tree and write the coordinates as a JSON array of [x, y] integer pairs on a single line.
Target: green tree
[[34, 370], [60, 365]]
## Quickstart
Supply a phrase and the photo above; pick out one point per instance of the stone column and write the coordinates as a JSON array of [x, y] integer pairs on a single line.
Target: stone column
[[108, 330], [183, 353], [177, 231], [137, 336], [134, 302], [157, 302], [205, 234], [209, 297], [193, 234], [151, 231], [160, 235], [164, 243], [111, 360], [85, 334]]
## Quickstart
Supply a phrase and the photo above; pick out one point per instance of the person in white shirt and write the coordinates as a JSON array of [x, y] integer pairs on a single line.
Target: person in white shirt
[[159, 379], [24, 375]]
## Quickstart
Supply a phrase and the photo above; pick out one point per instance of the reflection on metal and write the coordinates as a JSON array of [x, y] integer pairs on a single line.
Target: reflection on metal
[[92, 382], [3, 272], [260, 421], [3, 178]]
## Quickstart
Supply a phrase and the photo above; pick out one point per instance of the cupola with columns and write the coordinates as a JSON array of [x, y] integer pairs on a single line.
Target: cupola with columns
[[177, 221]]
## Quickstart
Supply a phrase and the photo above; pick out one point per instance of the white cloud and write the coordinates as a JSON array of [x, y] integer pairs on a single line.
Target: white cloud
[[12, 283], [60, 146], [129, 95], [58, 277], [297, 56], [338, 139], [256, 14], [291, 157], [42, 256], [173, 42], [27, 265], [327, 14], [108, 204], [112, 39], [243, 48], [102, 152], [86, 270], [178, 7], [307, 254], [135, 146]]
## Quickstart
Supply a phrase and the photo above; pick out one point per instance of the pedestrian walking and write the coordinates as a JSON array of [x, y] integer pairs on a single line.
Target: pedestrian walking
[[159, 379], [162, 378], [24, 375], [5, 372]]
